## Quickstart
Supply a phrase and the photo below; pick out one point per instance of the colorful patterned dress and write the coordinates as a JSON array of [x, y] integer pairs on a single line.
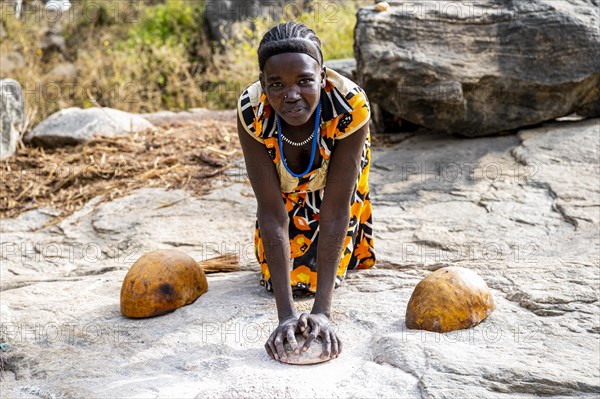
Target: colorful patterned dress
[[344, 109]]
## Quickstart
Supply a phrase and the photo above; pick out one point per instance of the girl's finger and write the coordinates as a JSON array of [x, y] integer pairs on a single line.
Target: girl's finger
[[291, 337], [334, 346], [303, 322], [273, 350], [311, 337], [269, 350], [279, 346]]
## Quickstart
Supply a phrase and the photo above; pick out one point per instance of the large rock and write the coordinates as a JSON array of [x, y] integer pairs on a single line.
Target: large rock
[[477, 68], [223, 17], [75, 126], [11, 116], [344, 66], [503, 206]]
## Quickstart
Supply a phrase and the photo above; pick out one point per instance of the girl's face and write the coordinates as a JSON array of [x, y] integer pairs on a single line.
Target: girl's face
[[292, 83]]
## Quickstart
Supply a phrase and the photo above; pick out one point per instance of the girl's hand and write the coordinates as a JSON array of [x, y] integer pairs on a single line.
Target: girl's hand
[[317, 325], [286, 330]]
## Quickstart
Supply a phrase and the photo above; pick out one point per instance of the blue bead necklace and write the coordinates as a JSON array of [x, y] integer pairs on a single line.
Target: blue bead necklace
[[314, 144]]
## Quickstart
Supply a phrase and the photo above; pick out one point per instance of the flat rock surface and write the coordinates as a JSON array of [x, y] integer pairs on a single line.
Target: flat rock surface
[[521, 210]]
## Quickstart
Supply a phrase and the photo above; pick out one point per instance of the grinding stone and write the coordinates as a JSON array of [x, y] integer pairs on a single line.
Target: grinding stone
[[311, 356]]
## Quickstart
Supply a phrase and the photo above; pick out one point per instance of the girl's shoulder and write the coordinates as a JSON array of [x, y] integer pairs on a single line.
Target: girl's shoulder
[[251, 95], [250, 106], [345, 107], [342, 84]]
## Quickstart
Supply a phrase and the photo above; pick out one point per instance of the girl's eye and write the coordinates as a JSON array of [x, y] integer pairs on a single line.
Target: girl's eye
[[276, 85], [305, 81]]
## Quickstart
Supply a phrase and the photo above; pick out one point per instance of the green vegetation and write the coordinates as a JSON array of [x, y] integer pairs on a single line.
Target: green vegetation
[[152, 57], [334, 24], [174, 23]]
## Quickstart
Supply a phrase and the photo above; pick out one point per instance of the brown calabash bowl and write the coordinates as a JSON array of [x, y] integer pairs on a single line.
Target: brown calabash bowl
[[160, 282], [451, 298]]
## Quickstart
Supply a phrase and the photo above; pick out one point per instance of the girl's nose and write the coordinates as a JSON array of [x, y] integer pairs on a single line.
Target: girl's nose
[[292, 94]]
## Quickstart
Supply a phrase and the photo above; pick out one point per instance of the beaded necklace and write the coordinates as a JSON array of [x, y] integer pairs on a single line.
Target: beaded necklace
[[296, 144], [312, 137]]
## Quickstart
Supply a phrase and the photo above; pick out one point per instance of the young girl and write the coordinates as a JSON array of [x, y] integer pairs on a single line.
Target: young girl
[[304, 131]]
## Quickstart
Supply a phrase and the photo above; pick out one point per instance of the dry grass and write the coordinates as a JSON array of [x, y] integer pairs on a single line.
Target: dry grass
[[162, 61], [159, 58], [182, 156]]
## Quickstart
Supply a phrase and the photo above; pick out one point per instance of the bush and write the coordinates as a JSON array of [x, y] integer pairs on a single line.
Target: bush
[[174, 23]]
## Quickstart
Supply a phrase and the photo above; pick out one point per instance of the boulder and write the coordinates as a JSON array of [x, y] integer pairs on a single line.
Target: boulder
[[76, 126], [223, 17], [10, 61], [345, 67], [11, 116], [478, 68]]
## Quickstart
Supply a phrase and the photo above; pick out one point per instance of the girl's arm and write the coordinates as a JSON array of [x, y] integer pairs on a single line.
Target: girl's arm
[[334, 217], [273, 221], [335, 213]]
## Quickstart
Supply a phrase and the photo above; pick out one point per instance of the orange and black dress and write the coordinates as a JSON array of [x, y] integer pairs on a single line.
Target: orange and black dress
[[344, 109]]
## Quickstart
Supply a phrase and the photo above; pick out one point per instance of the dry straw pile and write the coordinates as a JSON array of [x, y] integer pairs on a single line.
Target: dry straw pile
[[186, 155]]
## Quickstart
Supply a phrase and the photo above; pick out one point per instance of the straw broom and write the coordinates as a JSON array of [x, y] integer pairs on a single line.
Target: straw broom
[[221, 264]]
